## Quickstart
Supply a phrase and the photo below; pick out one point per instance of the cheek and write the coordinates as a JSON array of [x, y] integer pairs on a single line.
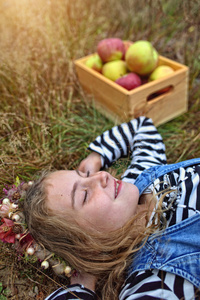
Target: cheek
[[106, 217], [60, 204], [95, 217]]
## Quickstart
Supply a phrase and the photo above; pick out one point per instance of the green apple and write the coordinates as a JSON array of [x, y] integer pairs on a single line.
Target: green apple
[[114, 69], [141, 58], [94, 62], [159, 72]]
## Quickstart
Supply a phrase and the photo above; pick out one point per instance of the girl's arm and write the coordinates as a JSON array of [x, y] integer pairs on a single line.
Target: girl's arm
[[138, 139]]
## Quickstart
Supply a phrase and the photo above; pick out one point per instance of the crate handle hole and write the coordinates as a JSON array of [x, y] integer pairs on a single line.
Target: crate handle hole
[[163, 91]]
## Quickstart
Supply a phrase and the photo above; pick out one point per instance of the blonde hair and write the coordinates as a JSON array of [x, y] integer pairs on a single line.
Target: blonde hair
[[106, 256]]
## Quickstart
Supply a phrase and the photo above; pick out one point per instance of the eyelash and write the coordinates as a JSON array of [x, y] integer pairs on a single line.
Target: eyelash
[[84, 200]]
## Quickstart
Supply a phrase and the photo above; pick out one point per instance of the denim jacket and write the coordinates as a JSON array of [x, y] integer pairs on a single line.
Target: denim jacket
[[177, 248]]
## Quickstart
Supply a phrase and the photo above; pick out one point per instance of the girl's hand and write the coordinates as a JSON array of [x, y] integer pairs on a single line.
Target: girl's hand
[[85, 279], [91, 163]]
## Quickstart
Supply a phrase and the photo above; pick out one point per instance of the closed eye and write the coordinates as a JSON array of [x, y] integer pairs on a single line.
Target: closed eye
[[86, 193], [79, 174], [85, 197]]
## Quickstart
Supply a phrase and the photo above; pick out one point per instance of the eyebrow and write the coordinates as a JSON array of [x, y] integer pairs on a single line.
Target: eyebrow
[[73, 192]]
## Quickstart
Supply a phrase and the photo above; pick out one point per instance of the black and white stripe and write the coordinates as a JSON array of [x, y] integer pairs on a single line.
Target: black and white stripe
[[140, 139], [72, 292]]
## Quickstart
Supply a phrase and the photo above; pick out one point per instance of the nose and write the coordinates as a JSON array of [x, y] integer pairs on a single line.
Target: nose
[[99, 178]]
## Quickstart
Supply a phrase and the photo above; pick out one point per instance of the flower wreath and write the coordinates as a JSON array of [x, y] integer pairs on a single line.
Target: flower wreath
[[13, 230]]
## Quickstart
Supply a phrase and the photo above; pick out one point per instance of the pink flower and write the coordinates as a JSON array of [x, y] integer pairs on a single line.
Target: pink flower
[[6, 233], [4, 210]]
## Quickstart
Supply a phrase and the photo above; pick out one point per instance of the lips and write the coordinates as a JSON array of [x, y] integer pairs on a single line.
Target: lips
[[118, 186]]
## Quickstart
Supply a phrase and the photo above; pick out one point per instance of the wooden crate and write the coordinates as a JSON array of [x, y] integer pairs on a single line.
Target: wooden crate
[[121, 105]]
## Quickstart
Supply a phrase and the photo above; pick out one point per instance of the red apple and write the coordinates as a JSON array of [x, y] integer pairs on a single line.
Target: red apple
[[94, 62], [127, 44], [129, 81], [110, 49], [114, 69], [141, 58]]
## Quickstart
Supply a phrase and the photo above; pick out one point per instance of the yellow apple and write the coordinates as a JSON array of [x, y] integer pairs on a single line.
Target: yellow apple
[[114, 69]]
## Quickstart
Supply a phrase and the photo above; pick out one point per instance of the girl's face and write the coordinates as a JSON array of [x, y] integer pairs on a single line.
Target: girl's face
[[97, 201]]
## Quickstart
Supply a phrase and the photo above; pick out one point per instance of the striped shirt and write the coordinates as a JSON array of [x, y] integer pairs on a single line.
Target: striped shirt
[[140, 140]]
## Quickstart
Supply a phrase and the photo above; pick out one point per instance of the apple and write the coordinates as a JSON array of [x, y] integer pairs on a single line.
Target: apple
[[129, 81], [160, 72], [110, 49], [114, 69], [94, 62], [127, 44], [141, 58]]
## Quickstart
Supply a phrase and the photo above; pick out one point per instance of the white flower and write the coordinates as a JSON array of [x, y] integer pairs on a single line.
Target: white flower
[[14, 206], [30, 251], [67, 271], [6, 201], [17, 236], [45, 264], [15, 217]]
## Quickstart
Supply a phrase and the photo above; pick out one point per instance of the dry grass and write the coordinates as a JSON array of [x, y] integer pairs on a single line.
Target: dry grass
[[41, 103]]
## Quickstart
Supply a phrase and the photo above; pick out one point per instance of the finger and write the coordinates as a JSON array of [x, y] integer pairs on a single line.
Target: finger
[[83, 167]]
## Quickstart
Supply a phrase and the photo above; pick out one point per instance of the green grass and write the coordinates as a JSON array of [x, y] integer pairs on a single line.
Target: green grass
[[46, 120]]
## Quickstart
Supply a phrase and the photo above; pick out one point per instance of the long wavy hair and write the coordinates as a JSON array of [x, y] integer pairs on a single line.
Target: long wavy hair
[[107, 256]]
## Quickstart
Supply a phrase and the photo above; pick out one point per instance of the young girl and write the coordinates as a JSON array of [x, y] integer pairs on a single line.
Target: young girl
[[134, 238]]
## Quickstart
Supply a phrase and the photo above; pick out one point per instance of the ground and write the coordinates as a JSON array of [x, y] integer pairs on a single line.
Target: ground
[[20, 280]]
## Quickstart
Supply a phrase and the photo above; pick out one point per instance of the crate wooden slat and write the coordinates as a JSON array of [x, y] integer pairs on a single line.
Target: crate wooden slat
[[121, 105]]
